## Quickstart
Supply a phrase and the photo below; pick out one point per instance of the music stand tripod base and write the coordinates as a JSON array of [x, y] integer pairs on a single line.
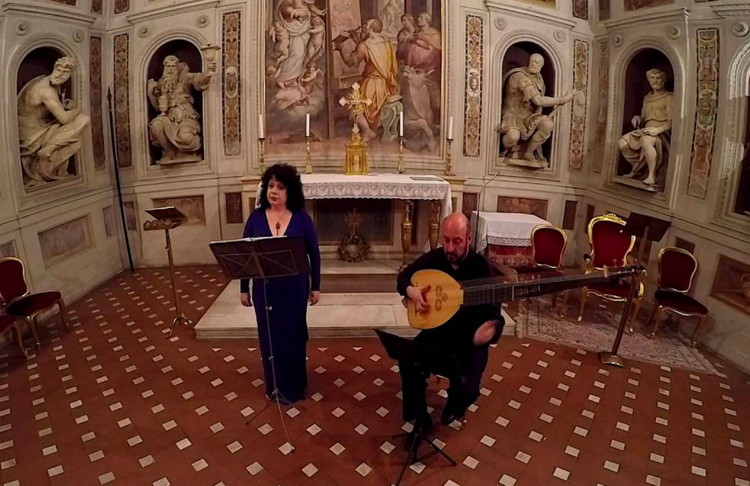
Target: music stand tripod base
[[611, 359]]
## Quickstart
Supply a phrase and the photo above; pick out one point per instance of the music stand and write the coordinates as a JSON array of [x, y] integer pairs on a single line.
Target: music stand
[[167, 218], [646, 228], [429, 359], [263, 258]]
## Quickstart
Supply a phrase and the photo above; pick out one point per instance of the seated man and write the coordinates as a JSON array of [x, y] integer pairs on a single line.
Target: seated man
[[467, 335]]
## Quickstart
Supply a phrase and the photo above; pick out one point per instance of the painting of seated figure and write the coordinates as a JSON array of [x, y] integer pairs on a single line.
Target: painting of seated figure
[[316, 50]]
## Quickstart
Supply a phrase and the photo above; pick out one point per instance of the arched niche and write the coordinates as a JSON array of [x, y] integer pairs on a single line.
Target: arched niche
[[517, 56], [189, 54], [742, 190], [636, 89], [37, 63]]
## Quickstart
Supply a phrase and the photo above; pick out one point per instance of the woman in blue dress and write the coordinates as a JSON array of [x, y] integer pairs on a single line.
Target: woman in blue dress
[[282, 212]]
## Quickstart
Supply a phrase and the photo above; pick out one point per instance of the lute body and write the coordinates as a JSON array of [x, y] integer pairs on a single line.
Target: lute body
[[446, 295]]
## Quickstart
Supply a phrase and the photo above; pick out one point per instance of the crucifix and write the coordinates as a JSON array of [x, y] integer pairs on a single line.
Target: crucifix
[[353, 220], [356, 149]]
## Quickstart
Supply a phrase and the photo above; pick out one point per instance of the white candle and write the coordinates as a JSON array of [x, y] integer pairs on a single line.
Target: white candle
[[261, 132], [307, 125], [450, 128], [401, 124]]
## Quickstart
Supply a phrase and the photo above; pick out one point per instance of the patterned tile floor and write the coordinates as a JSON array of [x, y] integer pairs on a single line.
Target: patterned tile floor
[[116, 402]]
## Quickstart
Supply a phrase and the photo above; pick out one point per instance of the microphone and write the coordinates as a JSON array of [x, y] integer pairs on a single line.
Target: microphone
[[479, 205]]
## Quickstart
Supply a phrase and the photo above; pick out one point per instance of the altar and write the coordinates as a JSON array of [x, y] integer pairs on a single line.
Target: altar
[[505, 237], [408, 189]]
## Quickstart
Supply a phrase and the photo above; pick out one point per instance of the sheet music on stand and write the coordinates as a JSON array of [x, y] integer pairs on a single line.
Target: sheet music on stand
[[262, 257]]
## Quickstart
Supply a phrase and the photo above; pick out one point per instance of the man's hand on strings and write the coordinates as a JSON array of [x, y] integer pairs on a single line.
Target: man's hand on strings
[[485, 333], [417, 296]]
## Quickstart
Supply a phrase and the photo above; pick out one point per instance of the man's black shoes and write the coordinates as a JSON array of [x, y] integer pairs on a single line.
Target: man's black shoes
[[452, 411]]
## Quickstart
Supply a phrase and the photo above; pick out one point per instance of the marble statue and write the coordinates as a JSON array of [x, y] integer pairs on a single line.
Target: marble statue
[[523, 126], [648, 146], [50, 127], [177, 129]]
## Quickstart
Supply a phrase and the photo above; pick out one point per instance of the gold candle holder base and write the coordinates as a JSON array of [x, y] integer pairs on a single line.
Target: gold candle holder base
[[262, 156], [308, 164], [400, 169], [448, 167]]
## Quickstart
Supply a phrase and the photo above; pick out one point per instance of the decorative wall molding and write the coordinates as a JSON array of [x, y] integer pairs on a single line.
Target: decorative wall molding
[[122, 6], [705, 111], [547, 16], [54, 13], [602, 107], [674, 32], [581, 9], [66, 240], [649, 17], [144, 31], [78, 35], [171, 10], [22, 28], [474, 85], [740, 29], [559, 35], [581, 64], [500, 23], [732, 11], [232, 83], [95, 96], [122, 100], [203, 21]]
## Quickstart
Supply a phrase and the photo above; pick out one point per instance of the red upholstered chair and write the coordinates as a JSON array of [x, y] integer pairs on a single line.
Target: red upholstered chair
[[8, 324], [547, 251], [19, 301], [677, 267], [610, 247]]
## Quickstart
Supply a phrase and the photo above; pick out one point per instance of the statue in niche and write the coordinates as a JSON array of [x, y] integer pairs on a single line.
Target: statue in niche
[[648, 147], [523, 126], [50, 127], [176, 130]]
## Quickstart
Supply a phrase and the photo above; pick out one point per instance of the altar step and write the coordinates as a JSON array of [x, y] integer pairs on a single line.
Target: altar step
[[339, 277], [337, 315]]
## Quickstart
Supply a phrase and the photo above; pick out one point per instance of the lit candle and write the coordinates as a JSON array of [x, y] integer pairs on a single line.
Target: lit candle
[[450, 129], [307, 125], [401, 124], [261, 132]]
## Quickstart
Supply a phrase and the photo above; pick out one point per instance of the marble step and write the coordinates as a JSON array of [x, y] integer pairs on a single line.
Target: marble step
[[336, 315]]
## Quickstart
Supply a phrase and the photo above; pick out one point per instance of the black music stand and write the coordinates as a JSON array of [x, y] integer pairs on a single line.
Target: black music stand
[[646, 228], [263, 259], [167, 218], [429, 359]]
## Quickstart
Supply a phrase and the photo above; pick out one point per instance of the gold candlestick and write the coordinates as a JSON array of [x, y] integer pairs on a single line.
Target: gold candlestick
[[262, 156], [400, 155], [308, 165], [448, 168]]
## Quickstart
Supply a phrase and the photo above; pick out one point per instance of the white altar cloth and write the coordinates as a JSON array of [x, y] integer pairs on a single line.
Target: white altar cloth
[[504, 229], [380, 186]]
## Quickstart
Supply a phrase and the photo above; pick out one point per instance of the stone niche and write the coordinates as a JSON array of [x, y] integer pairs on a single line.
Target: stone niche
[[41, 62], [187, 53], [742, 191], [636, 89], [517, 56]]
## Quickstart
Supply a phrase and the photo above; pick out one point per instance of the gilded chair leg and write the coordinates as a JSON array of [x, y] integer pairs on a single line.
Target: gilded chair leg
[[656, 315], [20, 340], [698, 327], [651, 319], [564, 304], [636, 310], [61, 305], [32, 324], [584, 296]]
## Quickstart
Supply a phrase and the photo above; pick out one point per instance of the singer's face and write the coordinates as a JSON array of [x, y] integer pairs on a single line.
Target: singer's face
[[276, 193], [456, 242]]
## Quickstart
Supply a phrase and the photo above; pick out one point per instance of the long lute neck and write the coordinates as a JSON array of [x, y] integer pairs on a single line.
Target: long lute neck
[[493, 292]]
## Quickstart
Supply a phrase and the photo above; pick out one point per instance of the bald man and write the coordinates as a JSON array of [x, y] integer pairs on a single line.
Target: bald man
[[467, 335]]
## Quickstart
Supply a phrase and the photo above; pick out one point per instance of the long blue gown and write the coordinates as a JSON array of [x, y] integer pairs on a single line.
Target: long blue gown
[[288, 297]]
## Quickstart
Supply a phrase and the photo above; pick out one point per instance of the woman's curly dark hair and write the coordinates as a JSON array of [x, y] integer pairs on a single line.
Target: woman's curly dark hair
[[287, 175]]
